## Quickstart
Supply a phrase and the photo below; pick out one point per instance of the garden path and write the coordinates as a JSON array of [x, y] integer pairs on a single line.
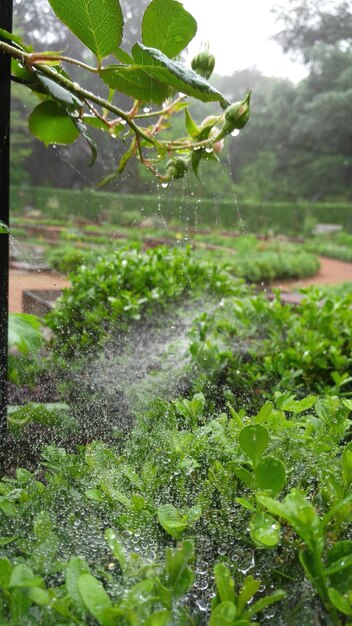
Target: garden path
[[332, 272]]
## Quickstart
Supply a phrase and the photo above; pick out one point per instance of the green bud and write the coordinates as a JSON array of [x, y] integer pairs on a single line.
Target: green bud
[[236, 117], [237, 114], [176, 168], [203, 63]]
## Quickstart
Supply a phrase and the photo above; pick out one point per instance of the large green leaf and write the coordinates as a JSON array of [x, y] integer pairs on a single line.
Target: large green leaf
[[51, 124], [97, 23], [168, 27], [159, 66], [135, 82], [264, 530]]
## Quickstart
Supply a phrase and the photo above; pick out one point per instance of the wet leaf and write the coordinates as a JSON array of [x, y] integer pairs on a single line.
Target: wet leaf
[[298, 406], [264, 530], [224, 583], [254, 440], [339, 566], [175, 74], [50, 123], [171, 520], [94, 597], [168, 27], [270, 474], [97, 23]]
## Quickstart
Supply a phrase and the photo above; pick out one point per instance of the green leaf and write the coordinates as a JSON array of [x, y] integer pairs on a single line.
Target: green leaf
[[249, 589], [83, 131], [168, 27], [191, 126], [58, 92], [4, 541], [263, 603], [175, 74], [121, 166], [97, 23], [347, 464], [136, 83], [264, 412], [224, 583], [339, 566], [22, 576], [300, 514], [50, 123], [224, 614], [180, 576], [94, 597], [270, 474], [5, 572], [171, 520], [115, 547], [39, 596], [264, 530], [340, 602], [160, 618], [298, 406], [4, 230], [24, 333], [245, 476], [75, 568], [254, 440]]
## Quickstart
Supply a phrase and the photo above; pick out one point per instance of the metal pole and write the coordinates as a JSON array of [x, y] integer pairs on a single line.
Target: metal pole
[[5, 79]]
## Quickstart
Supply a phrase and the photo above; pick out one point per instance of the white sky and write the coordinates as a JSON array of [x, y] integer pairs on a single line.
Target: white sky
[[239, 32]]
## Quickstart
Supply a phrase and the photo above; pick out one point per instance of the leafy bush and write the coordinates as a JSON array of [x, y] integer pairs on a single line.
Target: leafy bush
[[248, 347], [124, 286], [68, 260], [330, 249], [268, 266]]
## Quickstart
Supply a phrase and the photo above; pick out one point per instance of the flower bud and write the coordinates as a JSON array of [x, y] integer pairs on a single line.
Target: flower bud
[[203, 63], [176, 168], [236, 117], [237, 114]]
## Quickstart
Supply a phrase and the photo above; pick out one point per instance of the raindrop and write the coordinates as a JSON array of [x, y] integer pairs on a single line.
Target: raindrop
[[235, 132], [164, 185], [146, 109]]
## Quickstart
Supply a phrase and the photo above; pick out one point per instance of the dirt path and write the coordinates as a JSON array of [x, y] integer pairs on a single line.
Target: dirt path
[[21, 280], [331, 272]]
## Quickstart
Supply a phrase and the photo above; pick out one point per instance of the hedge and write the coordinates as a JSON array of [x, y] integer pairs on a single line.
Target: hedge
[[284, 217]]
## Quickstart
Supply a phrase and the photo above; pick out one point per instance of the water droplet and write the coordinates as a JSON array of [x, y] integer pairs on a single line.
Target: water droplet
[[235, 132], [146, 109], [164, 185]]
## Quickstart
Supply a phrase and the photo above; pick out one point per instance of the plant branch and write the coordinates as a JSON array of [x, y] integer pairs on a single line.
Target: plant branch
[[75, 88]]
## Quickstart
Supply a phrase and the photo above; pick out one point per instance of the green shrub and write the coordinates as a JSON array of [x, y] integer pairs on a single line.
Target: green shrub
[[124, 286]]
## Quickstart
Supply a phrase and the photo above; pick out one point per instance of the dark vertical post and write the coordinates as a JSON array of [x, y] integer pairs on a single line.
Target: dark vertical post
[[5, 78]]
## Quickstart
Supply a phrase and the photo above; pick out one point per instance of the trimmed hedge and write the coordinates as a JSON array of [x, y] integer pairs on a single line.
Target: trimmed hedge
[[284, 217]]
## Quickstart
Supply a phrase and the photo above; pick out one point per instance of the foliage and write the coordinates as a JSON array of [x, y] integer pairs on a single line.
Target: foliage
[[94, 541], [248, 347], [24, 342], [123, 287], [150, 74], [185, 212]]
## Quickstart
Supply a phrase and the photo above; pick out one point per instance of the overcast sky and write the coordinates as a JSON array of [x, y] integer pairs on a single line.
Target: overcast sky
[[239, 32]]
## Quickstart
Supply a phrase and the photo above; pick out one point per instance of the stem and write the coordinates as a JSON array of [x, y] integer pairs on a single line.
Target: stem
[[76, 89], [47, 58]]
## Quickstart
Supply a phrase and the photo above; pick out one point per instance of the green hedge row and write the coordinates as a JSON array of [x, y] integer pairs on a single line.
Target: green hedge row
[[284, 217]]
